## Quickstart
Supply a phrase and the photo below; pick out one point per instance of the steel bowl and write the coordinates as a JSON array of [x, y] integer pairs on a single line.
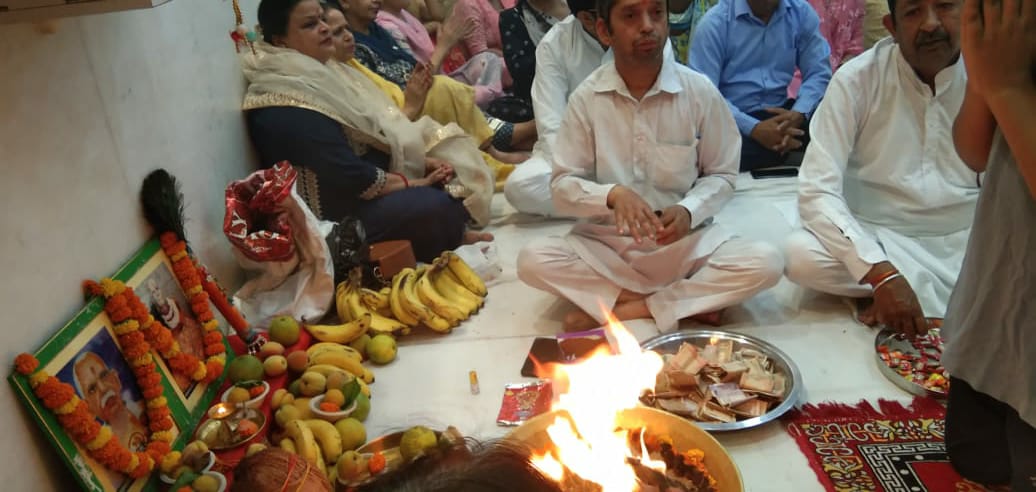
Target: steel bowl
[[670, 344], [685, 436], [890, 339]]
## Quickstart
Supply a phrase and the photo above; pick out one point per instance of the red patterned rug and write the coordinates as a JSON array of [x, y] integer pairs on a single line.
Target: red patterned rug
[[889, 449]]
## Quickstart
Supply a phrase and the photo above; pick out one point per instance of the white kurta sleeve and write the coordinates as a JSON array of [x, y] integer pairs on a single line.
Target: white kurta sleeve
[[719, 155], [574, 191], [549, 94], [822, 205]]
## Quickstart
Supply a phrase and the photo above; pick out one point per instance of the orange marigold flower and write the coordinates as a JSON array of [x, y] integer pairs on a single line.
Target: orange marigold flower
[[158, 413], [115, 302], [161, 424], [213, 337], [214, 370], [144, 468], [158, 449], [26, 364], [120, 315], [167, 239], [205, 317], [144, 369], [213, 349], [133, 338], [152, 392]]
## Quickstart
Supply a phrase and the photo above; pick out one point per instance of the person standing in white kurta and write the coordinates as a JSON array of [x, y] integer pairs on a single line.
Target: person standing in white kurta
[[646, 155], [885, 201]]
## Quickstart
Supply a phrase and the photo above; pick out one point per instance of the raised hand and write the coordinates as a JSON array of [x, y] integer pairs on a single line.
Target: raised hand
[[417, 90], [998, 41], [633, 215]]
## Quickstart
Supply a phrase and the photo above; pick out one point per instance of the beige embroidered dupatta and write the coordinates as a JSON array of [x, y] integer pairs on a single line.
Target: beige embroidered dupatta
[[285, 77]]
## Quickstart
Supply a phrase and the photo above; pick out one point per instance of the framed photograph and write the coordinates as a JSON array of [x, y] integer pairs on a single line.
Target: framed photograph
[[150, 274], [85, 353]]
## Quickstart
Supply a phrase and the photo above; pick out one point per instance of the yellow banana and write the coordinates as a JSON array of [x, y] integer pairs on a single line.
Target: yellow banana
[[342, 361], [379, 323], [327, 437], [343, 333], [366, 390], [341, 301], [435, 300], [468, 278], [288, 445], [396, 304], [328, 369], [385, 291], [373, 299], [454, 291], [389, 326], [412, 303], [305, 443], [317, 348]]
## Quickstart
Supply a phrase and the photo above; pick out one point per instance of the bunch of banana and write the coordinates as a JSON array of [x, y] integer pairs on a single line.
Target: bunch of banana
[[350, 306], [440, 295], [317, 441], [341, 333]]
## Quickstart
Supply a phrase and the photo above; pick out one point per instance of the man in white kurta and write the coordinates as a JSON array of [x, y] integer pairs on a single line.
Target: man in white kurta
[[881, 186], [678, 148], [566, 56]]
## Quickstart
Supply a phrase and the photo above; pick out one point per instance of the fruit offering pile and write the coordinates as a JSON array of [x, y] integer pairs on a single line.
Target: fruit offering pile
[[188, 469], [320, 414]]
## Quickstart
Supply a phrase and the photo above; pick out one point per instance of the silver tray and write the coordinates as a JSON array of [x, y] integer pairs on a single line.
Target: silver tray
[[670, 343], [888, 339]]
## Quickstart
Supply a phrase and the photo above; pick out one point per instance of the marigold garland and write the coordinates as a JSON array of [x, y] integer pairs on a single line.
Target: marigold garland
[[187, 274], [99, 441]]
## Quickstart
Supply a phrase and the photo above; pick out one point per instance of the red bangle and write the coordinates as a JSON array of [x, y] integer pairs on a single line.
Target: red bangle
[[406, 183]]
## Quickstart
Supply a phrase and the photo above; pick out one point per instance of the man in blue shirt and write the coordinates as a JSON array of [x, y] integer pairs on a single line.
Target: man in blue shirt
[[750, 50]]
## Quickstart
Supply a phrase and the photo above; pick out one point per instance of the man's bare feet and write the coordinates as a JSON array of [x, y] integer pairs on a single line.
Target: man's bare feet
[[865, 311], [472, 237], [711, 318], [578, 320], [627, 296]]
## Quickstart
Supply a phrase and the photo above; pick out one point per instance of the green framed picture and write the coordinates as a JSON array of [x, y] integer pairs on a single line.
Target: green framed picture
[[85, 353]]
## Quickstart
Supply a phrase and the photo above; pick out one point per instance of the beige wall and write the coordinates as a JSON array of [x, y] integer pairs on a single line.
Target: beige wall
[[85, 113]]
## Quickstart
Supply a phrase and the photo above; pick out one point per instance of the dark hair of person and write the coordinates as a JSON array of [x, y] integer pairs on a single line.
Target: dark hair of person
[[892, 10], [577, 6], [498, 466], [274, 16], [604, 11], [333, 5]]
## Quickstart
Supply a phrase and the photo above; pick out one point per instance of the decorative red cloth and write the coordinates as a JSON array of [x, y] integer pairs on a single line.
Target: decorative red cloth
[[885, 449]]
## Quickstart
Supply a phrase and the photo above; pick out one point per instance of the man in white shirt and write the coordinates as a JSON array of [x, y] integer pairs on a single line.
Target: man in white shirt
[[566, 55], [646, 156], [885, 201]]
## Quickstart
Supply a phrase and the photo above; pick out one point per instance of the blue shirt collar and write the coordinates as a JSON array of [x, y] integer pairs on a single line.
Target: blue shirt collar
[[741, 9]]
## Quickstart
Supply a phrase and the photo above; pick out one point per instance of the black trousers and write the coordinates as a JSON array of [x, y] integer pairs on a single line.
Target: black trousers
[[755, 156], [987, 441]]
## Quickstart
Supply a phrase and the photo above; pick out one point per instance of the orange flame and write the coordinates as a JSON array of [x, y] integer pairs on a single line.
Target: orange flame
[[591, 394]]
